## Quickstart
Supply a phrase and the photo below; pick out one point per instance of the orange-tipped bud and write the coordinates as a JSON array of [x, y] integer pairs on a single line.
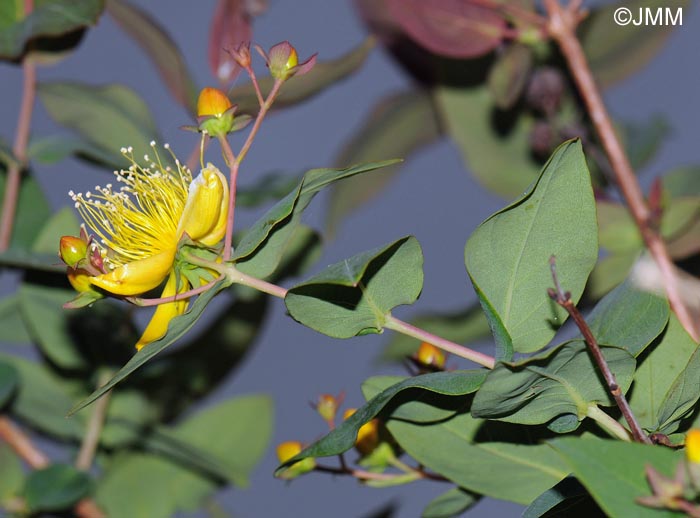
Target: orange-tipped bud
[[72, 250], [430, 355], [214, 112], [286, 451], [212, 101], [367, 436]]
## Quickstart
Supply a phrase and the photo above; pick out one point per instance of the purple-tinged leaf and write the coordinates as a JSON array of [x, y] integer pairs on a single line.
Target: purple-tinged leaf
[[230, 28], [160, 48], [452, 28]]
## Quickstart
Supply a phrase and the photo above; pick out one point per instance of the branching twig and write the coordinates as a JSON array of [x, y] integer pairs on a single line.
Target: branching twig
[[19, 150], [562, 27], [94, 427], [564, 300]]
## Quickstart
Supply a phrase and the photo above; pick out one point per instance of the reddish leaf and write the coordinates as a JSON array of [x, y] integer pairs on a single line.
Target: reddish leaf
[[453, 28], [160, 48], [230, 28]]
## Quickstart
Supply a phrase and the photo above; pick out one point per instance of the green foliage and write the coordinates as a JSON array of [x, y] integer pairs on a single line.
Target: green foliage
[[452, 503], [49, 18], [105, 117], [8, 382], [507, 257], [355, 296], [55, 488], [613, 472], [11, 474]]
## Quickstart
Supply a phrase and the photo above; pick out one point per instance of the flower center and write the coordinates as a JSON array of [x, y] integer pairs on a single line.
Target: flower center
[[141, 218]]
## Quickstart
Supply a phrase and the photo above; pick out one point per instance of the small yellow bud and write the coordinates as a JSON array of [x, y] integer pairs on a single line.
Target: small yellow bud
[[293, 59], [692, 446], [428, 354], [286, 451], [212, 102], [72, 250], [367, 436]]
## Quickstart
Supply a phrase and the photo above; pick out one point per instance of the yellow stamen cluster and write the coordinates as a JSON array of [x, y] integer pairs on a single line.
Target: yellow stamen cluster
[[141, 218]]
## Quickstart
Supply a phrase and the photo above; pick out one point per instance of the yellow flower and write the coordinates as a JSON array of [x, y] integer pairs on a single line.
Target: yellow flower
[[140, 225], [286, 451], [367, 436]]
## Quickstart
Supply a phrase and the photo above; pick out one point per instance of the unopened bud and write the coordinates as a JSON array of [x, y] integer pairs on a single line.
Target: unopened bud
[[367, 436], [72, 250], [286, 451], [327, 406], [283, 61], [214, 112], [692, 446], [430, 355]]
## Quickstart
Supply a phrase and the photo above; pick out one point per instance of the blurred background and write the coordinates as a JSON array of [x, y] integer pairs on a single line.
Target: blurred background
[[435, 198]]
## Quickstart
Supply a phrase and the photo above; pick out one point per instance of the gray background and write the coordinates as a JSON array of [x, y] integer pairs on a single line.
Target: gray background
[[434, 199]]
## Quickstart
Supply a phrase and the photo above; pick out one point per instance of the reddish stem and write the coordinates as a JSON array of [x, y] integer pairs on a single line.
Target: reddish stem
[[562, 27], [14, 171]]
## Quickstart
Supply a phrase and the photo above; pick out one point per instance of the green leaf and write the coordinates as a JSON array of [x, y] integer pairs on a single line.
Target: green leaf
[[48, 323], [616, 51], [236, 432], [507, 256], [682, 181], [501, 161], [643, 140], [398, 125], [11, 473], [355, 296], [43, 399], [509, 74], [558, 382], [613, 472], [300, 88], [609, 273], [275, 229], [506, 471], [450, 504], [659, 383], [561, 500], [9, 379], [342, 438], [160, 48], [681, 397], [178, 326], [14, 330], [32, 213], [56, 487], [48, 18], [55, 148], [107, 118], [629, 317], [138, 485], [461, 326]]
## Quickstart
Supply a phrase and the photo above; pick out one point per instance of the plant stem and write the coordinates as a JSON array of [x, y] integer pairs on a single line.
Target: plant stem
[[138, 301], [458, 350], [608, 423], [94, 427], [562, 27], [258, 284], [235, 163], [564, 300], [25, 449], [362, 474], [19, 150]]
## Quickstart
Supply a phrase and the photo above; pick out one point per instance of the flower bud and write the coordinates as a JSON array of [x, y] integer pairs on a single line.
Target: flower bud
[[430, 355], [283, 61], [79, 279], [286, 451], [72, 250], [367, 436], [692, 446], [327, 406], [214, 112], [241, 55]]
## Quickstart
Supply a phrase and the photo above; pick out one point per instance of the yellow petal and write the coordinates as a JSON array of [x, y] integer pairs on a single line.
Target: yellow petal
[[206, 211], [158, 325], [137, 277]]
